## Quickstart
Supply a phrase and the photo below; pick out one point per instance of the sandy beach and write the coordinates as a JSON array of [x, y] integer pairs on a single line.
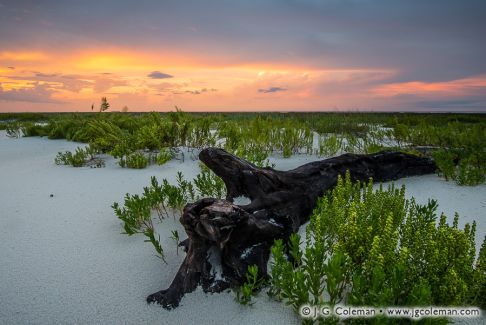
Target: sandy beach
[[63, 259]]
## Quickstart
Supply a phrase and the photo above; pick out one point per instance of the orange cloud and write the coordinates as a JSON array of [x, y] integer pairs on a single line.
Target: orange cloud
[[201, 83], [459, 87], [23, 56]]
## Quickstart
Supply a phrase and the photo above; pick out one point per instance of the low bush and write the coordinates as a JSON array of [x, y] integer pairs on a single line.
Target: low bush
[[208, 184], [368, 247], [252, 285], [33, 130], [79, 158], [465, 169], [165, 199], [136, 160], [13, 130], [470, 171], [329, 145], [136, 217], [175, 237], [165, 155]]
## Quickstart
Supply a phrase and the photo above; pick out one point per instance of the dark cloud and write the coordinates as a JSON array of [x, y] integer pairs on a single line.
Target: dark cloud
[[208, 90], [193, 92], [159, 75], [196, 92], [45, 75], [271, 90], [11, 68], [423, 40], [427, 41]]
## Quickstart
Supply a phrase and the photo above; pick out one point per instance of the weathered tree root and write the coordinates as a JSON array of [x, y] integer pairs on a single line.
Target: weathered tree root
[[224, 238]]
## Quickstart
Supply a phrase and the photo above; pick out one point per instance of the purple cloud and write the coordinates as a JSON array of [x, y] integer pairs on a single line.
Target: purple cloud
[[271, 90], [159, 75]]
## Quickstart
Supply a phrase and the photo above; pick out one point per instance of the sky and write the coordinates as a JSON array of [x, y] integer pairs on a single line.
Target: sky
[[243, 55]]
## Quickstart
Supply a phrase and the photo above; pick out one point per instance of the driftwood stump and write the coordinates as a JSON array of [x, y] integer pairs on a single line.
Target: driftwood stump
[[225, 238]]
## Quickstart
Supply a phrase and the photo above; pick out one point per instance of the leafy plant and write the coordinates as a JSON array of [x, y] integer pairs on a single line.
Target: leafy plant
[[30, 129], [175, 236], [13, 130], [164, 156], [135, 160], [250, 287], [458, 138], [444, 160], [79, 158], [208, 184], [136, 218], [469, 172], [368, 247], [103, 134], [329, 145], [123, 148], [165, 199]]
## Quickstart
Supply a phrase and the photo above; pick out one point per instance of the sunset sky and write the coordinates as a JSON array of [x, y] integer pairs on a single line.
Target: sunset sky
[[243, 55]]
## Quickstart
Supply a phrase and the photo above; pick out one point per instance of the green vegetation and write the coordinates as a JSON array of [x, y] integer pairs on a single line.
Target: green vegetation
[[456, 141], [135, 160], [208, 184], [164, 156], [368, 247], [175, 237], [250, 287], [13, 130], [362, 246], [164, 200], [81, 157]]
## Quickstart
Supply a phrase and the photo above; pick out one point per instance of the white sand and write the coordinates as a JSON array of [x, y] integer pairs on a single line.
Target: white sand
[[63, 260]]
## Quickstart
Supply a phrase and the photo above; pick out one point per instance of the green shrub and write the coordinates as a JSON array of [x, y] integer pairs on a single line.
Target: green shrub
[[136, 217], [104, 135], [77, 159], [33, 130], [164, 156], [175, 237], [13, 130], [148, 137], [163, 198], [401, 133], [134, 160], [330, 145], [209, 184], [123, 148], [368, 247], [254, 153], [469, 172], [61, 128], [459, 138], [250, 287], [444, 159]]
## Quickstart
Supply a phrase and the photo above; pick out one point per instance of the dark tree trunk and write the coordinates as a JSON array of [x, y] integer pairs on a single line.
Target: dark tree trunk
[[234, 237]]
